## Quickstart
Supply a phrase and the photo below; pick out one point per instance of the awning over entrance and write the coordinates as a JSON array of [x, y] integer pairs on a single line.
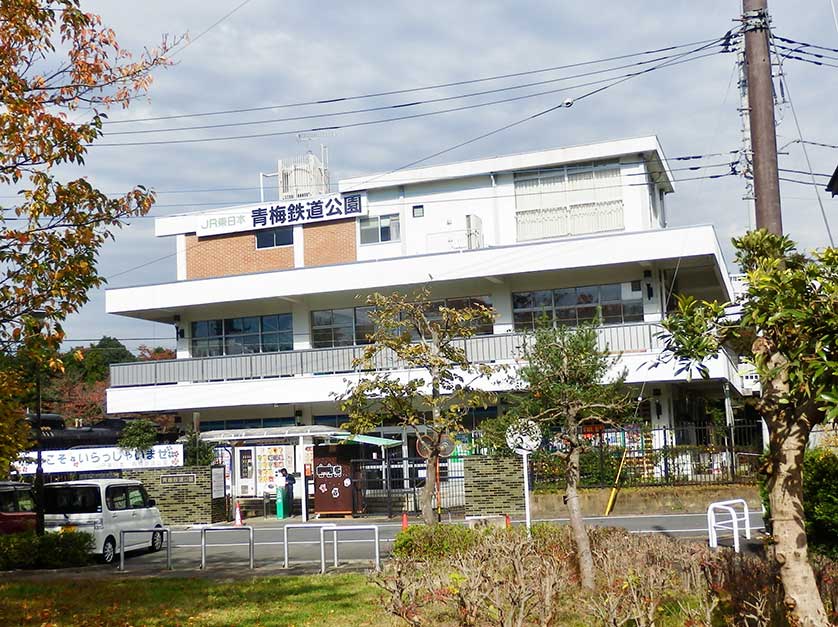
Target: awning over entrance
[[272, 434], [269, 434], [367, 439]]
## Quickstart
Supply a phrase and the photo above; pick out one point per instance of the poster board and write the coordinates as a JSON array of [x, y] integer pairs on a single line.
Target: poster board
[[333, 481], [269, 461]]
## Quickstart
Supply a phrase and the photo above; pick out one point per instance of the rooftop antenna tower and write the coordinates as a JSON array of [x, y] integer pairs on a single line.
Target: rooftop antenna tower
[[300, 177]]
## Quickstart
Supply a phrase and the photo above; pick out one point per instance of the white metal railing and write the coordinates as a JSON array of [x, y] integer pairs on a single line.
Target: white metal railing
[[625, 338], [714, 525], [285, 530], [335, 530], [160, 530], [204, 531]]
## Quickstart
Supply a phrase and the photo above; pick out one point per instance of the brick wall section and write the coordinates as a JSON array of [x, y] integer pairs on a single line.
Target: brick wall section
[[182, 503], [494, 485], [225, 255], [330, 242]]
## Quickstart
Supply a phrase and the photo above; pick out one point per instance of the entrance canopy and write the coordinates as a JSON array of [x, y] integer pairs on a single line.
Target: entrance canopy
[[272, 434], [366, 439]]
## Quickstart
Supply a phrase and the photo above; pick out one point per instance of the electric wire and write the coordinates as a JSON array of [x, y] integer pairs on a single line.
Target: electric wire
[[395, 92], [784, 82], [613, 81], [401, 105], [191, 41]]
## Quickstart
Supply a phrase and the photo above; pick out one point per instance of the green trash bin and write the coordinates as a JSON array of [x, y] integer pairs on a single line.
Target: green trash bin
[[281, 507]]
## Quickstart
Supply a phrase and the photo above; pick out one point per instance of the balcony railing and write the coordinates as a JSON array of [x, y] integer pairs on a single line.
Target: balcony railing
[[628, 338]]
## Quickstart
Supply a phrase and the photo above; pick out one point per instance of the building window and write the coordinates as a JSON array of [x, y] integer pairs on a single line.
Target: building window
[[570, 200], [574, 305], [351, 327], [380, 229], [234, 336], [271, 238], [418, 211]]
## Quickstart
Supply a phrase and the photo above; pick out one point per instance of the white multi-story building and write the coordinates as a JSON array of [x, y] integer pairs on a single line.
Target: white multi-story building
[[268, 304]]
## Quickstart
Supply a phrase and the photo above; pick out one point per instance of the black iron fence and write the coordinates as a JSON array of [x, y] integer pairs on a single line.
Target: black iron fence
[[393, 485], [673, 456]]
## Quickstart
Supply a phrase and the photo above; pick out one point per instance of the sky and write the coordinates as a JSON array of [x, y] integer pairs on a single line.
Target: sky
[[271, 53]]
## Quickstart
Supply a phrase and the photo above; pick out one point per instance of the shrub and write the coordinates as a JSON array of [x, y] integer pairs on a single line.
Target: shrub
[[422, 542], [52, 550], [820, 500]]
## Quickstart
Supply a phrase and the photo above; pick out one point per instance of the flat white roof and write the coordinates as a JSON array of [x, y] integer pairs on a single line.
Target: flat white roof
[[648, 145]]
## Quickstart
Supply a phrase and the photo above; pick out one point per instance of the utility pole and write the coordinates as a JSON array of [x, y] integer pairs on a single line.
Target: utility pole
[[761, 100]]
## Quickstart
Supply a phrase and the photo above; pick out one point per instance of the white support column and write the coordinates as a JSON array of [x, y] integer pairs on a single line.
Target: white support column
[[299, 247], [181, 257], [502, 303], [301, 325]]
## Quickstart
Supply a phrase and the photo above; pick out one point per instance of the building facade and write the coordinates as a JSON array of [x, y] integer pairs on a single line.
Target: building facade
[[269, 302]]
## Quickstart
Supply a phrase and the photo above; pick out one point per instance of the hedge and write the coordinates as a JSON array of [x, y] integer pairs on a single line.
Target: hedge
[[52, 550]]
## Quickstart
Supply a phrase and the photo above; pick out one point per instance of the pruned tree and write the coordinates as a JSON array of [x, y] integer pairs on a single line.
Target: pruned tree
[[60, 67], [139, 434], [414, 333], [564, 385], [788, 327]]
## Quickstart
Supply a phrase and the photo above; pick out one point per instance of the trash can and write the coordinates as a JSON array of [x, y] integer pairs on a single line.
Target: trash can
[[281, 507]]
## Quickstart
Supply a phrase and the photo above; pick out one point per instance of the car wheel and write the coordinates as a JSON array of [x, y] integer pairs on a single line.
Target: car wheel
[[109, 550], [156, 542]]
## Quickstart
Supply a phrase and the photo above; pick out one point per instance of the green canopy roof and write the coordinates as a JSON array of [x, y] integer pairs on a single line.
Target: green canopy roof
[[366, 439]]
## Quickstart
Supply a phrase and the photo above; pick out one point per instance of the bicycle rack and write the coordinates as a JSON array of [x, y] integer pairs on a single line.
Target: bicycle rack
[[335, 529], [728, 507], [204, 542], [166, 530], [307, 526]]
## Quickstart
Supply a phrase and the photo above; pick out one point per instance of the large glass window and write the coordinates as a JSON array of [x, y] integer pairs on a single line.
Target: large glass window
[[250, 334], [351, 327], [616, 302], [376, 229], [271, 238]]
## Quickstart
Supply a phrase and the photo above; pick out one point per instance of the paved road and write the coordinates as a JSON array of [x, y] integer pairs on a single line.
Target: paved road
[[227, 551]]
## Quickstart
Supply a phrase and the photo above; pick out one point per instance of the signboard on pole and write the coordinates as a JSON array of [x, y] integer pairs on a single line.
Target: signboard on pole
[[103, 458], [525, 437]]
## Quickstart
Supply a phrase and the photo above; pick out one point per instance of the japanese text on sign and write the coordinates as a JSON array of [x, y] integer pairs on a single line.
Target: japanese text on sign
[[272, 215], [104, 458]]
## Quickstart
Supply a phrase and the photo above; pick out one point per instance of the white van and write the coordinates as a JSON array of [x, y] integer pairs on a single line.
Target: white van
[[103, 507]]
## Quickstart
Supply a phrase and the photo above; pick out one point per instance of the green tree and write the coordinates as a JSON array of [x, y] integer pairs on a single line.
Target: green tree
[[196, 452], [59, 69], [789, 324], [563, 386], [92, 364], [426, 338], [139, 434]]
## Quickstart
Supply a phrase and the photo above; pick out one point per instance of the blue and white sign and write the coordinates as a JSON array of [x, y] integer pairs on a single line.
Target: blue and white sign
[[102, 458], [282, 213]]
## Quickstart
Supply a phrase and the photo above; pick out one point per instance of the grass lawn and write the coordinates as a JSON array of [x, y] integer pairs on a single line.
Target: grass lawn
[[345, 600]]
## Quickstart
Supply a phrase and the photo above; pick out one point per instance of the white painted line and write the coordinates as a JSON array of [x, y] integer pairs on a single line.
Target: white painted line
[[229, 544]]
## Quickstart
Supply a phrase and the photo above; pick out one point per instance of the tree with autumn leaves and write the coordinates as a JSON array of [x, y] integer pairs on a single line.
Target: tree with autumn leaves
[[60, 69]]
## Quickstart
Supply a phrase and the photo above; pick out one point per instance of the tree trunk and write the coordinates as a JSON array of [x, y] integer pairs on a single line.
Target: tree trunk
[[580, 535], [426, 498], [785, 483]]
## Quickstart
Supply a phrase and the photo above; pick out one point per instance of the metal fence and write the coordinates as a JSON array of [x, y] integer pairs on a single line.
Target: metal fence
[[394, 485], [698, 455], [627, 338]]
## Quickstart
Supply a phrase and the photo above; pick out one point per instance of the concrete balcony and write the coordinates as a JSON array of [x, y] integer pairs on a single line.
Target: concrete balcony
[[628, 338]]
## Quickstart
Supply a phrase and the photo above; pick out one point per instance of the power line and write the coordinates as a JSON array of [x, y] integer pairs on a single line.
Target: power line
[[206, 30], [412, 89], [615, 80], [803, 43], [397, 181], [401, 105], [784, 81], [804, 172], [565, 104], [232, 203]]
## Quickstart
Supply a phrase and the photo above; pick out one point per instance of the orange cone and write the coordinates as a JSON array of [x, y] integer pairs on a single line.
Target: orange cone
[[508, 521], [238, 520], [404, 521]]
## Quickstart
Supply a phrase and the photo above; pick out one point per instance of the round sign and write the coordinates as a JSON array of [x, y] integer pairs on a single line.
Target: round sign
[[524, 437]]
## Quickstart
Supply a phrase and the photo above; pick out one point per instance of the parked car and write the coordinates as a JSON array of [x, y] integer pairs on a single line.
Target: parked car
[[17, 507], [104, 507]]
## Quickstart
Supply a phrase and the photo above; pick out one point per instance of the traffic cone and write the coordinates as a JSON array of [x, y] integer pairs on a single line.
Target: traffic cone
[[404, 521], [508, 521], [238, 520]]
